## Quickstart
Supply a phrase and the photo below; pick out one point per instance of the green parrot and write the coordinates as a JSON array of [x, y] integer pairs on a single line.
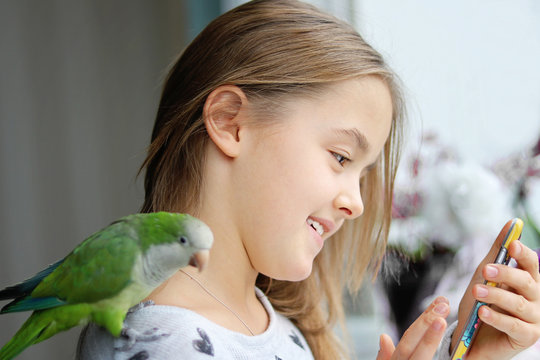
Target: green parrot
[[107, 274]]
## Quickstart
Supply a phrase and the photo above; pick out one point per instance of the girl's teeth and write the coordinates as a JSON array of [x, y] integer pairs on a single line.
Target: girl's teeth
[[315, 225]]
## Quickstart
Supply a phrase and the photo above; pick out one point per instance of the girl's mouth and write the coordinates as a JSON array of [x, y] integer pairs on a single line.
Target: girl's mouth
[[316, 226]]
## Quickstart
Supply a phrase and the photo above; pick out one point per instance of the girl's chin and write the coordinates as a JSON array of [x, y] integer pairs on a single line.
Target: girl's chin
[[298, 273]]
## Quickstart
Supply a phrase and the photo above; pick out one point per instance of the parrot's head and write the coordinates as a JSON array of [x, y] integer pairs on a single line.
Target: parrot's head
[[171, 241], [198, 237]]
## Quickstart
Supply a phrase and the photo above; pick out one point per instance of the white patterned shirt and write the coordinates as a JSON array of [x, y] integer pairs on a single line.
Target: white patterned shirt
[[169, 332]]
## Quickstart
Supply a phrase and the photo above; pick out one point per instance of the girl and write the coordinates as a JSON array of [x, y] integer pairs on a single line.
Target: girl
[[279, 126]]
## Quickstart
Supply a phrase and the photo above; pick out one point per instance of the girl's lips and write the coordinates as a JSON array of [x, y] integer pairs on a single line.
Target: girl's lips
[[328, 226]]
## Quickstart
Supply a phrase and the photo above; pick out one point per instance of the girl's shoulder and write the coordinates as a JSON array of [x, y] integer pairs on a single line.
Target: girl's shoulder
[[169, 332]]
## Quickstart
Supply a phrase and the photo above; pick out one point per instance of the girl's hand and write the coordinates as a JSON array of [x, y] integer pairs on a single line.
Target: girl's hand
[[512, 324], [422, 338]]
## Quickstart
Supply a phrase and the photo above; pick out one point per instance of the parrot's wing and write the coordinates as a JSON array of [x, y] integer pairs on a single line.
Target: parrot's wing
[[26, 287], [99, 268]]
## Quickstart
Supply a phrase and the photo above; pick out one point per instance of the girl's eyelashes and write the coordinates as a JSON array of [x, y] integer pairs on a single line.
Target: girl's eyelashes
[[340, 158]]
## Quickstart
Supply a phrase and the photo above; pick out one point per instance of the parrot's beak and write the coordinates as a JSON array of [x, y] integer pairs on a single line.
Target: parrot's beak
[[200, 259]]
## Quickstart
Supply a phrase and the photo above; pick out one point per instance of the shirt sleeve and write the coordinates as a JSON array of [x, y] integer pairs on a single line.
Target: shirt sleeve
[[95, 343], [444, 350]]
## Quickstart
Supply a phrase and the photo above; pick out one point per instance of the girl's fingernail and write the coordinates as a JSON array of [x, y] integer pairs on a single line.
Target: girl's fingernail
[[491, 271], [481, 291], [484, 312], [517, 248], [441, 308], [441, 299]]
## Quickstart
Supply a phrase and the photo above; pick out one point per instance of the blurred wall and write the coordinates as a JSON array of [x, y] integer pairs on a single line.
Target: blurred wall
[[79, 86], [471, 69]]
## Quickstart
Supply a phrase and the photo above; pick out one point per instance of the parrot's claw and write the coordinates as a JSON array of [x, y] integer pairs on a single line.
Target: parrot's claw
[[131, 336], [140, 306]]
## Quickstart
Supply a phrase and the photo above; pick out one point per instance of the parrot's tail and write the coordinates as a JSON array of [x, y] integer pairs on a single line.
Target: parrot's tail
[[27, 335], [41, 325]]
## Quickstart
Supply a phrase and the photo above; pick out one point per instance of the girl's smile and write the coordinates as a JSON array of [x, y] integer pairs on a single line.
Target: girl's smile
[[320, 227]]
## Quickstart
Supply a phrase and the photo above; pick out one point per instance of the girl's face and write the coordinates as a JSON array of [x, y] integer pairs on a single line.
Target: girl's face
[[299, 179]]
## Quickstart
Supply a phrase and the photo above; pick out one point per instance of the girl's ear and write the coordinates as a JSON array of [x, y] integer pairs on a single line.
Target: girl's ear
[[222, 113]]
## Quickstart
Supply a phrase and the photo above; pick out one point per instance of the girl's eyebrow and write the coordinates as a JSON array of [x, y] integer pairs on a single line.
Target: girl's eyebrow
[[355, 136]]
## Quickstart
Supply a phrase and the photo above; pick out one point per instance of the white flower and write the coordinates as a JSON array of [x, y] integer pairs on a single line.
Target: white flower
[[409, 234], [463, 201]]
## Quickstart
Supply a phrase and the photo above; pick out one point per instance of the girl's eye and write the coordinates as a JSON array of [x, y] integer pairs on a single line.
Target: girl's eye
[[340, 158]]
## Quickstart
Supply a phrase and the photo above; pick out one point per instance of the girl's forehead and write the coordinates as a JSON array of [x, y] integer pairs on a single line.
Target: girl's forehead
[[341, 91], [358, 111], [369, 95]]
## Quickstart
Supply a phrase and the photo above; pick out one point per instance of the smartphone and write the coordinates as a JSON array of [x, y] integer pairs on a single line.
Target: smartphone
[[473, 321]]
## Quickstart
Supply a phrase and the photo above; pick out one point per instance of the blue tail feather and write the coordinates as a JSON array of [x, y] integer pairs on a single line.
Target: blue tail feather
[[30, 303], [26, 287]]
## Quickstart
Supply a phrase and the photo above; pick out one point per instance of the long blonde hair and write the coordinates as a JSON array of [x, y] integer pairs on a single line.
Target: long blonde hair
[[273, 49]]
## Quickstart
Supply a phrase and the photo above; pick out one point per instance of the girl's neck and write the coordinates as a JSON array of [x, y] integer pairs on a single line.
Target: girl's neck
[[229, 276], [223, 293]]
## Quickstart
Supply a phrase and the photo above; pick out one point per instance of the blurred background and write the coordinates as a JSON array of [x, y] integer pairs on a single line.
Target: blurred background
[[79, 85]]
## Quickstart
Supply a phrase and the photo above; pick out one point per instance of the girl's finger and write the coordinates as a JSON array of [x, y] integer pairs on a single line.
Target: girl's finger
[[515, 304], [526, 258], [430, 342], [520, 280], [521, 333], [386, 348], [424, 329]]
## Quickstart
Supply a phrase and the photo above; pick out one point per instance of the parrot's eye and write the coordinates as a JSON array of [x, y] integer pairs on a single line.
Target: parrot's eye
[[183, 240]]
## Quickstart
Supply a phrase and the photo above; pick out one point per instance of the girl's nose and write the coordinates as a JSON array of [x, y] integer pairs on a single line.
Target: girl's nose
[[349, 202]]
